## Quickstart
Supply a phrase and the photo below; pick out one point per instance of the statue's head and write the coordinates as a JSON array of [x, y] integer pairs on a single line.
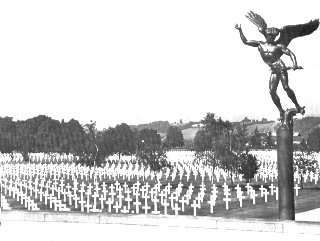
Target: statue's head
[[270, 33]]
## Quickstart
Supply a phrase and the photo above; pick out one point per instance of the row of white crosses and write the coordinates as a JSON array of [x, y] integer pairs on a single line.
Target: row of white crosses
[[37, 158], [202, 171], [19, 191], [128, 171], [4, 203], [267, 171], [57, 196], [112, 172], [268, 167], [307, 176], [27, 187], [182, 168], [35, 180]]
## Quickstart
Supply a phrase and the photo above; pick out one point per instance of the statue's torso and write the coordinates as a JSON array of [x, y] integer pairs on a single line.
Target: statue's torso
[[270, 53]]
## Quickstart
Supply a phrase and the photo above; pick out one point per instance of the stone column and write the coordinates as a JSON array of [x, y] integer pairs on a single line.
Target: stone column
[[285, 166]]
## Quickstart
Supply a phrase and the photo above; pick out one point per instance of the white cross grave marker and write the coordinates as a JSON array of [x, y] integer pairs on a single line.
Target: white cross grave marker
[[296, 188], [195, 205], [227, 200]]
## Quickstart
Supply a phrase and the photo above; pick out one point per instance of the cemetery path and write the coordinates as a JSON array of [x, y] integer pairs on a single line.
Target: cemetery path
[[71, 231]]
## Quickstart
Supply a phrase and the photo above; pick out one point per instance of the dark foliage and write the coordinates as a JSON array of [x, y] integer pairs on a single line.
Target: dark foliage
[[150, 150], [248, 165], [314, 140], [174, 137]]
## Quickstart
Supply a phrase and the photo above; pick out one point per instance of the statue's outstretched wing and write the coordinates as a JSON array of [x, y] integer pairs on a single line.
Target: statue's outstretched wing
[[287, 33]]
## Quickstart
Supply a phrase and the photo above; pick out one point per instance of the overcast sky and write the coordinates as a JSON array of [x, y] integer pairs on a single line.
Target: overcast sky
[[141, 61]]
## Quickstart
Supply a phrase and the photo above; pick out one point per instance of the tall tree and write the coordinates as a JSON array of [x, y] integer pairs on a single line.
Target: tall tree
[[255, 139], [248, 166], [7, 134], [109, 141], [204, 150], [216, 128], [174, 137], [213, 143], [124, 140], [228, 160], [25, 139], [91, 134], [239, 139], [314, 139], [269, 141], [46, 135], [150, 150], [202, 141]]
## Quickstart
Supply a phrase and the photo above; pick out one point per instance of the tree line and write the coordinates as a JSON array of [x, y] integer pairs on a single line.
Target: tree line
[[44, 134]]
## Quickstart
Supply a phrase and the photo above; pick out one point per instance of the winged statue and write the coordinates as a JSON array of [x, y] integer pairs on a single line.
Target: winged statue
[[271, 50]]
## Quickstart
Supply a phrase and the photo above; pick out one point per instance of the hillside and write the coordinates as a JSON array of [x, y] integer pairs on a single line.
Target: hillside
[[189, 133], [159, 126], [162, 126], [304, 126], [265, 127]]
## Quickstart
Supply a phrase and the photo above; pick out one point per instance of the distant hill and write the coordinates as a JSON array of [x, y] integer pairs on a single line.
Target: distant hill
[[159, 126], [189, 124], [304, 126], [265, 127], [162, 126]]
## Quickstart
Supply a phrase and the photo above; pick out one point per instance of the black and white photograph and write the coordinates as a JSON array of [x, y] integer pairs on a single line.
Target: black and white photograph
[[159, 120]]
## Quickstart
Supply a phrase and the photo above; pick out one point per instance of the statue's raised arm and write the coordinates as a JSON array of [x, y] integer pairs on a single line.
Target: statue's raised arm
[[252, 43]]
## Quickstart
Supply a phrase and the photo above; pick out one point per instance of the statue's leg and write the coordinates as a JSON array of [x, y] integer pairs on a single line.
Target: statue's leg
[[273, 85], [290, 93]]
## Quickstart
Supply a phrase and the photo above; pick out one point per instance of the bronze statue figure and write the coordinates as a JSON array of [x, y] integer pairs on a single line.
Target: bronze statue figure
[[271, 51]]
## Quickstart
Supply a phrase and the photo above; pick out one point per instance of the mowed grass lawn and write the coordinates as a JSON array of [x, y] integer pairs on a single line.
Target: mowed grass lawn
[[308, 199]]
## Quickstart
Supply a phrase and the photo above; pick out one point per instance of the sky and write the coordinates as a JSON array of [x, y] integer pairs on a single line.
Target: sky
[[142, 61]]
